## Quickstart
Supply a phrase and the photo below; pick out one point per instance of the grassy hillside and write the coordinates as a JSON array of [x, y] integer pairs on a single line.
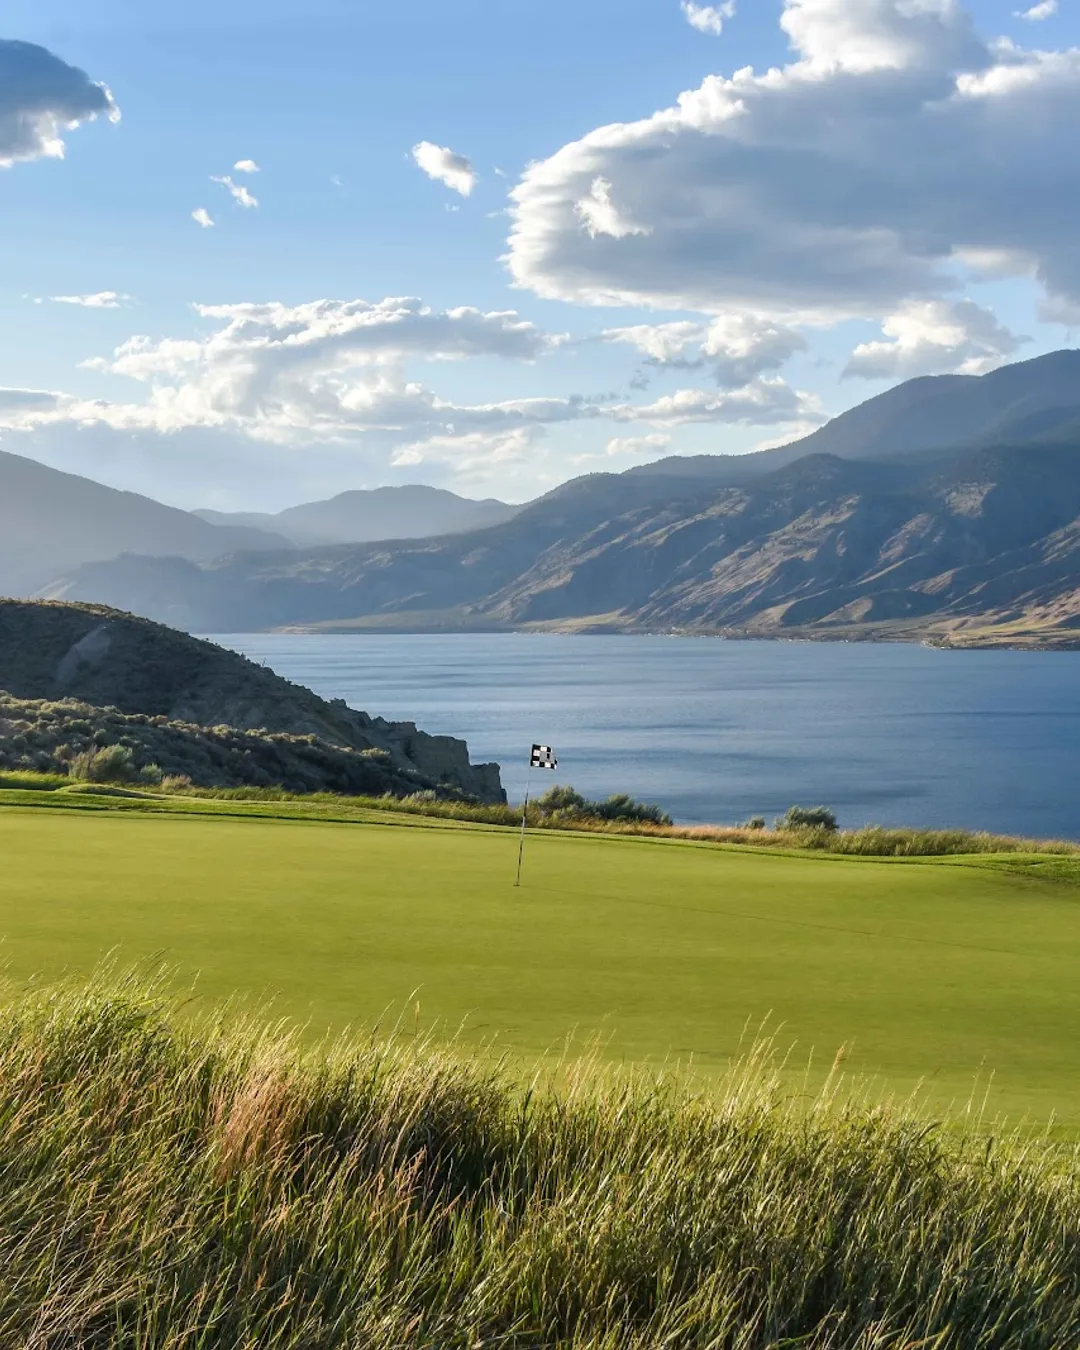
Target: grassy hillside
[[164, 1187], [949, 971]]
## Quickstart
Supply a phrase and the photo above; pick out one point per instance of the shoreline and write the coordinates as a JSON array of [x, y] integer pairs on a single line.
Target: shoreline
[[981, 639]]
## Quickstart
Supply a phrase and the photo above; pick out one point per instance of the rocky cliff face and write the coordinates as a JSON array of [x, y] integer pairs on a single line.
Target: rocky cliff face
[[111, 659]]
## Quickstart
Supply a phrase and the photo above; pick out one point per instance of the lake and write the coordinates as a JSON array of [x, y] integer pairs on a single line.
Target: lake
[[718, 731]]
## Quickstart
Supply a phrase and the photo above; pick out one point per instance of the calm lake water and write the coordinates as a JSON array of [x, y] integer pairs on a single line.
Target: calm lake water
[[719, 731]]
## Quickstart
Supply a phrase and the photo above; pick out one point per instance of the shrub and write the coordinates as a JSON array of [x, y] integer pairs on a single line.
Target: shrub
[[808, 818], [755, 823], [108, 764], [561, 800], [623, 807], [564, 803]]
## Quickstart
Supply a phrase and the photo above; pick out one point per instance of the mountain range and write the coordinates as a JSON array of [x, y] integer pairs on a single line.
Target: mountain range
[[947, 508], [52, 523], [410, 512]]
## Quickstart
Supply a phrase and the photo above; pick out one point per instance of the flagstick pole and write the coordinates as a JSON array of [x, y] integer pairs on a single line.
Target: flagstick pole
[[524, 817]]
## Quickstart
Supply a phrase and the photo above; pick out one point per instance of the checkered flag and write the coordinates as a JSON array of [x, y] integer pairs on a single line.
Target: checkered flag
[[543, 757]]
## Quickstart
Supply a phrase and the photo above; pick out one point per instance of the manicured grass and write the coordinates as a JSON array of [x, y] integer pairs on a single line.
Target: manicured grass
[[945, 970]]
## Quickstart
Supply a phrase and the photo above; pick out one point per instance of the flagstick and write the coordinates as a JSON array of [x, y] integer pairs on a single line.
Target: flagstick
[[524, 816]]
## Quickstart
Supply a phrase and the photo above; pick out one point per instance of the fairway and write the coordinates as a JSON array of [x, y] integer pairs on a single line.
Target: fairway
[[946, 971]]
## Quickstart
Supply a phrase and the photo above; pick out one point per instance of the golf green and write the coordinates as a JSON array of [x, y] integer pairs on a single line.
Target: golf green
[[952, 973]]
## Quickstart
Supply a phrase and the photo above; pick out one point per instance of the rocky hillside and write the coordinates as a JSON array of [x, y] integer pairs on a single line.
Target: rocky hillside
[[106, 658], [983, 543], [102, 745]]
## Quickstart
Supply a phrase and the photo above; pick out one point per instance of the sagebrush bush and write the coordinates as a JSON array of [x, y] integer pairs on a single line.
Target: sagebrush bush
[[808, 818], [566, 804], [107, 764]]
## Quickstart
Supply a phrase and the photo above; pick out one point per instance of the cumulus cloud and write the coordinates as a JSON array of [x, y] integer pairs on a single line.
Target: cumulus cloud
[[637, 445], [201, 216], [97, 300], [1045, 10], [600, 215], [245, 166], [766, 401], [708, 18], [340, 373], [238, 191], [860, 177], [323, 369], [445, 166], [934, 337], [738, 347], [470, 452], [41, 97]]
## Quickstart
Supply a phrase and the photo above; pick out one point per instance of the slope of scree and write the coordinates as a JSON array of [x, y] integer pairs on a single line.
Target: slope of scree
[[105, 658]]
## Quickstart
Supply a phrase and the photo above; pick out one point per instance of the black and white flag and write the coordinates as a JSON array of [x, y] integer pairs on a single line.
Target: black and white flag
[[543, 757]]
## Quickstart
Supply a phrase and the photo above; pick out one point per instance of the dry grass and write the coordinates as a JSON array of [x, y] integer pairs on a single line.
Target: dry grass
[[194, 1189]]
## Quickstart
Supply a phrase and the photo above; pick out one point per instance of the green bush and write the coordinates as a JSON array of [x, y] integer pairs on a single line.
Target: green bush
[[808, 818], [564, 803], [108, 764]]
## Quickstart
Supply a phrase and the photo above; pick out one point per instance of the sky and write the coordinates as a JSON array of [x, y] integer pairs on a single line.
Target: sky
[[257, 254]]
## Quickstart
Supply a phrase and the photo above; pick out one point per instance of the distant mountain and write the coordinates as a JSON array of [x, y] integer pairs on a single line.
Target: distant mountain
[[51, 522], [1008, 406], [412, 512], [903, 534]]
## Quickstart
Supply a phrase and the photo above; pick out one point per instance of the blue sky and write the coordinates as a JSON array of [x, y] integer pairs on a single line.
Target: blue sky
[[896, 200]]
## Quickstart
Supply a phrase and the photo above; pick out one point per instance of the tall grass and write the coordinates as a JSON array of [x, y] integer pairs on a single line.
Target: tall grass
[[166, 1187], [871, 841]]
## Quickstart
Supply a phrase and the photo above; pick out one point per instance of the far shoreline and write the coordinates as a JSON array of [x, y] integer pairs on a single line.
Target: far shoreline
[[1053, 640]]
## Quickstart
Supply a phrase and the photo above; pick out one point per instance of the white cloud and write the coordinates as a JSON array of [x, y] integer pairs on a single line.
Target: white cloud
[[201, 216], [934, 337], [708, 18], [324, 369], [738, 347], [1046, 9], [857, 179], [445, 166], [637, 445], [41, 98], [239, 192], [761, 403], [339, 373], [245, 166], [473, 451], [98, 300], [663, 343], [600, 215]]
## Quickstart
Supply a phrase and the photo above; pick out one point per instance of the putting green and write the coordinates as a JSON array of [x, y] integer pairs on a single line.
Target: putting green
[[945, 971]]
